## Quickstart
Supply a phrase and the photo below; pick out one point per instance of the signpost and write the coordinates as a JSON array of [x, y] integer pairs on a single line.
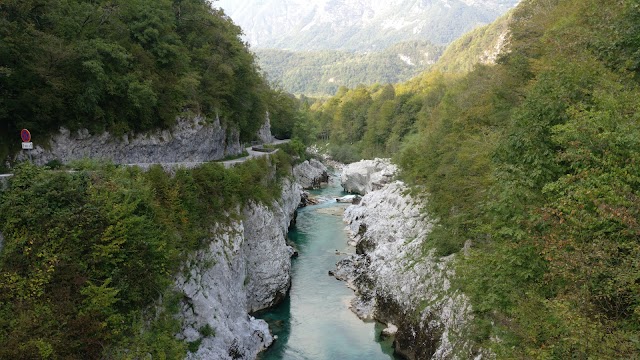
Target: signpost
[[25, 135]]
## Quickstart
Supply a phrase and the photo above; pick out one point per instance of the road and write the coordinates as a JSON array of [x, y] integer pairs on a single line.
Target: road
[[253, 153], [190, 165]]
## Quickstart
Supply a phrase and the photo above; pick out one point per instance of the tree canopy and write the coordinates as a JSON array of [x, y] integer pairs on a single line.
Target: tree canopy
[[122, 66], [534, 162]]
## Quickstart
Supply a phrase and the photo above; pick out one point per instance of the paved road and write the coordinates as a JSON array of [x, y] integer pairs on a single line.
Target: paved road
[[253, 154]]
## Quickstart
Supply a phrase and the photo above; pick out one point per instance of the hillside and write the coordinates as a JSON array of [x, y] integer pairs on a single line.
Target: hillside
[[321, 73], [482, 45], [122, 66], [358, 26], [94, 262], [532, 166]]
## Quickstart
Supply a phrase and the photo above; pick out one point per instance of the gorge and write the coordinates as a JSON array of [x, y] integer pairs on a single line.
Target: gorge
[[505, 226]]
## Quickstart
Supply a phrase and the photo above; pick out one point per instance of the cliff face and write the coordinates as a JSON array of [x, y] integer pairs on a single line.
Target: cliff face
[[244, 269], [398, 282], [191, 140]]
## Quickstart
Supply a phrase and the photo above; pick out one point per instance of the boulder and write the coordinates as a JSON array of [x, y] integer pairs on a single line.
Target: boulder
[[311, 174], [389, 331], [350, 199], [364, 176]]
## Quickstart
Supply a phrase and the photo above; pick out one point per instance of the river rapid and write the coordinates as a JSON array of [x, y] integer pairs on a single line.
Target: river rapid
[[314, 322]]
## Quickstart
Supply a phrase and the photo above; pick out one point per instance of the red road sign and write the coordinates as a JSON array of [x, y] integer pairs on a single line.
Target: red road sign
[[25, 135]]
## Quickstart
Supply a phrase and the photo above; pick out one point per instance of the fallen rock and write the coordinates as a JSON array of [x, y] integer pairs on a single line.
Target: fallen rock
[[350, 199]]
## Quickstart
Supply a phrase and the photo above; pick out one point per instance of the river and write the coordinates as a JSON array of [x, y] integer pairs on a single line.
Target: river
[[314, 322]]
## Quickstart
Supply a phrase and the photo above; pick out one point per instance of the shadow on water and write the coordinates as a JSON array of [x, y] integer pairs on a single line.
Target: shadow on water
[[314, 322], [280, 325]]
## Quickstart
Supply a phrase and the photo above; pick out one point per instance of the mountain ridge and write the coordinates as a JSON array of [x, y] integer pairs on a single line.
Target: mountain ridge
[[323, 72], [360, 25]]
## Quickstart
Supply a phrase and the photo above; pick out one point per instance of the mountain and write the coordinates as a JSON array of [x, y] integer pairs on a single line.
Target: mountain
[[358, 25], [323, 72], [479, 46]]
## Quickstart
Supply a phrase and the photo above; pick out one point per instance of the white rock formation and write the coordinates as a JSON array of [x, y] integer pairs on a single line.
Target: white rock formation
[[264, 134], [397, 282], [191, 140], [269, 263], [364, 176], [244, 268], [310, 174]]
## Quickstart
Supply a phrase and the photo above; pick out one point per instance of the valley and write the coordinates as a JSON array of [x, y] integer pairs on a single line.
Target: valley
[[497, 179]]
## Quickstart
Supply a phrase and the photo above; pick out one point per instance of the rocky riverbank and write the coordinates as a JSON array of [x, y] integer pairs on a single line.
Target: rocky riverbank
[[246, 268], [311, 174], [399, 281], [364, 176]]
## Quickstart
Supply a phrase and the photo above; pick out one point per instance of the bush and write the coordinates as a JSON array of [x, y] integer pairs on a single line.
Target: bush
[[96, 250], [345, 153]]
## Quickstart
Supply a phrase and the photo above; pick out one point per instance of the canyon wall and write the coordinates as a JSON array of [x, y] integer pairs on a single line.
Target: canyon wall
[[400, 281], [245, 268]]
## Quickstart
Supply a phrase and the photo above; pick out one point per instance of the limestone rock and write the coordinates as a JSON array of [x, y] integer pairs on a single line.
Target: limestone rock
[[310, 174], [389, 331], [268, 255], [264, 134], [191, 140], [397, 282], [364, 176], [307, 199], [244, 268]]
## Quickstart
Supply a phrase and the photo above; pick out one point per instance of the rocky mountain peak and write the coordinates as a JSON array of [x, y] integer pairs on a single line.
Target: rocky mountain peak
[[357, 25]]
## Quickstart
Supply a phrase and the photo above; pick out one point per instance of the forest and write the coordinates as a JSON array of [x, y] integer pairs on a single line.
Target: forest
[[90, 255], [531, 163], [321, 73], [123, 66], [534, 164]]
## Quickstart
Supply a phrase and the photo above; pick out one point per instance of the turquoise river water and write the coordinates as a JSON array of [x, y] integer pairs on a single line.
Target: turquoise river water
[[314, 322]]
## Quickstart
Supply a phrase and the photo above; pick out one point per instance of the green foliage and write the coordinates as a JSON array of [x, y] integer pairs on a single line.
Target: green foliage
[[89, 256], [284, 113], [193, 346], [534, 163], [552, 213], [344, 153], [322, 73], [295, 148], [122, 66], [207, 331], [81, 252]]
